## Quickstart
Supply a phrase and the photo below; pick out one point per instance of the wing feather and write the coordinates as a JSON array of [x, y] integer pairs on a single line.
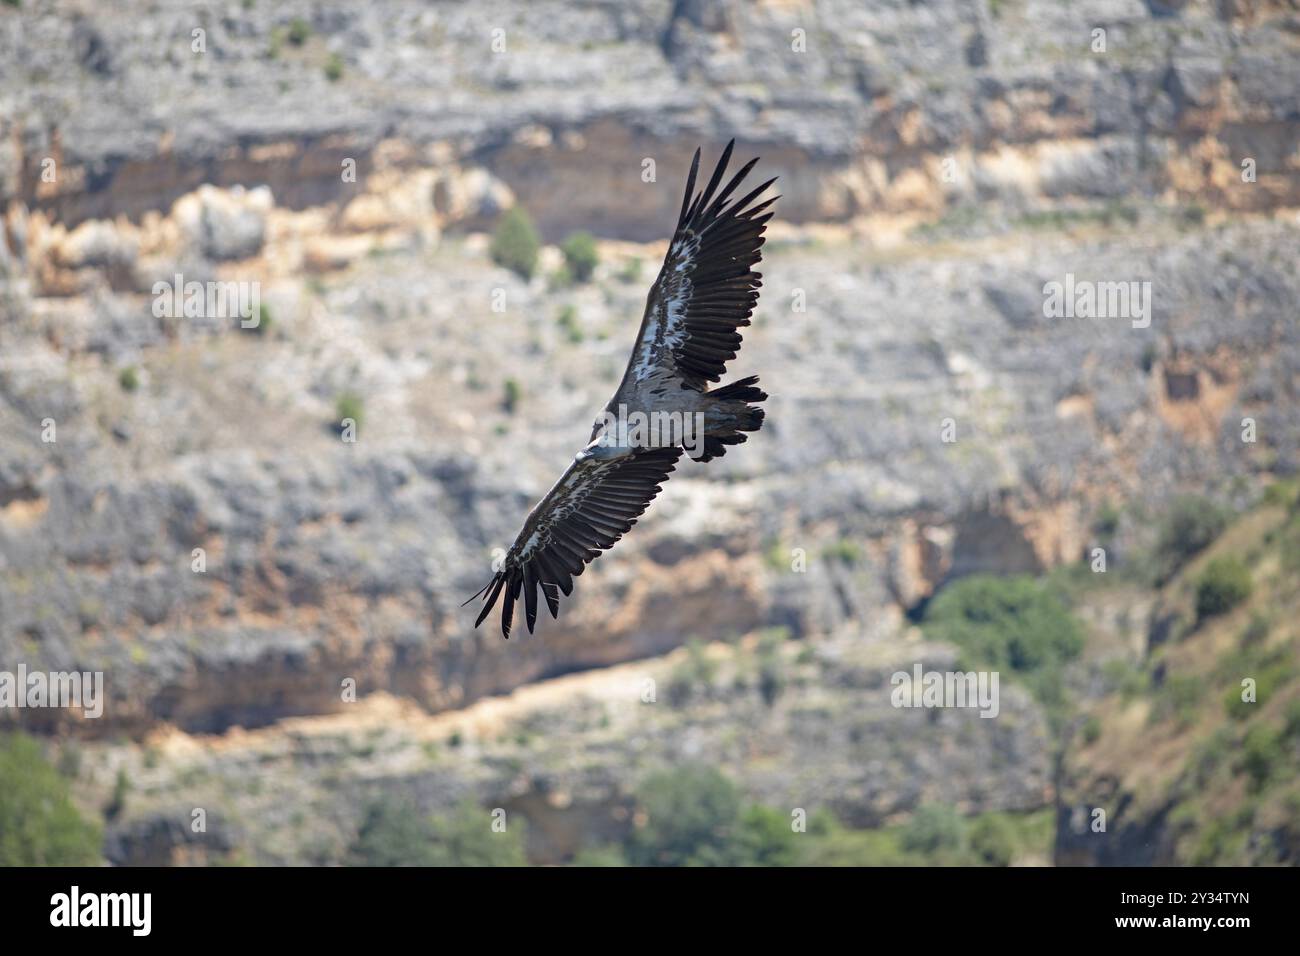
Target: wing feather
[[707, 286], [578, 519]]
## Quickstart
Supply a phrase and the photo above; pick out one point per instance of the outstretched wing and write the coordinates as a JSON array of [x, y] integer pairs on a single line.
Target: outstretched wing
[[707, 287], [589, 508]]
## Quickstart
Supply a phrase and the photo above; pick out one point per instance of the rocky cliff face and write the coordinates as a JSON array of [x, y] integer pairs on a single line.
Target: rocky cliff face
[[1195, 727], [858, 104], [197, 529], [829, 740]]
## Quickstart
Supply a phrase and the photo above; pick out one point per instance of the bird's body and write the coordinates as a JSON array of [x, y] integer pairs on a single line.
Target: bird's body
[[663, 406]]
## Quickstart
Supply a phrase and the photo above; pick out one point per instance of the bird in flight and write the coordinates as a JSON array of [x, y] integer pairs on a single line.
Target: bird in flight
[[705, 291]]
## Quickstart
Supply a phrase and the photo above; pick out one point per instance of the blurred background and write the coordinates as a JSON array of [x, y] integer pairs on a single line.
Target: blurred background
[[450, 216]]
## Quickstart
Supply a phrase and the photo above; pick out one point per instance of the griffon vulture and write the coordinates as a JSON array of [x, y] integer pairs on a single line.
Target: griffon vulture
[[705, 292]]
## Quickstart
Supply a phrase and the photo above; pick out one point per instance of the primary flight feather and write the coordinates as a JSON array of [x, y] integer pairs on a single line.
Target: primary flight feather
[[705, 292]]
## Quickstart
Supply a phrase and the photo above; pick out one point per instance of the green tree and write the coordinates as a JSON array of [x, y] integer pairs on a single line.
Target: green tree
[[1189, 527], [39, 825], [395, 833], [515, 244], [465, 837], [692, 819], [766, 838], [580, 255], [934, 829], [1013, 624], [1223, 585], [993, 840]]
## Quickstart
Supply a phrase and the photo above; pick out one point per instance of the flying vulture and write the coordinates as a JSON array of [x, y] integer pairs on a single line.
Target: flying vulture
[[705, 291]]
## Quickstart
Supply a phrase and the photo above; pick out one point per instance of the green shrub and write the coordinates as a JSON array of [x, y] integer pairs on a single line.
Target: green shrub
[[1270, 668], [1149, 355], [1126, 678], [128, 379], [845, 551], [1290, 545], [349, 405], [1261, 753], [117, 802], [264, 320], [1189, 527], [1223, 585], [934, 829], [334, 68], [693, 818], [1291, 729], [1181, 697], [561, 278], [580, 255], [69, 763], [394, 833], [299, 31], [695, 675], [765, 838], [1106, 521], [510, 397], [39, 824], [993, 840], [1014, 624], [1282, 494], [1257, 629], [515, 245], [600, 856], [1091, 730], [771, 667], [568, 322], [631, 270]]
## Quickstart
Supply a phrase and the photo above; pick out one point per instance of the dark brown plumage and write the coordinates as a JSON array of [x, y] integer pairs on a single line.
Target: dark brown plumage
[[706, 290]]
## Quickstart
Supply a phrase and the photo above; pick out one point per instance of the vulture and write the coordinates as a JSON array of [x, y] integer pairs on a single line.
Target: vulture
[[705, 292]]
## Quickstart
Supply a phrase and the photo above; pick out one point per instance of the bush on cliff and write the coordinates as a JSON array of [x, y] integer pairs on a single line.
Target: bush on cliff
[[395, 833], [39, 824], [515, 244], [1010, 624]]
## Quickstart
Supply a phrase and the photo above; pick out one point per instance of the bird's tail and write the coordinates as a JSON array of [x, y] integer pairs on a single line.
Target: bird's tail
[[735, 412]]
